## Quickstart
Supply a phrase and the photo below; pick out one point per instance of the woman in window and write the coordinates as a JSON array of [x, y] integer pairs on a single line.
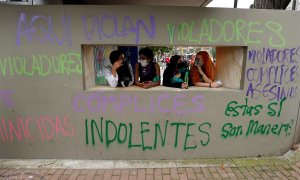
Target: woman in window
[[176, 73], [147, 72], [203, 71], [119, 73]]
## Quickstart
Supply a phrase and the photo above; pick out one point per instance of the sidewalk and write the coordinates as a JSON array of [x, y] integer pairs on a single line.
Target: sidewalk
[[283, 167]]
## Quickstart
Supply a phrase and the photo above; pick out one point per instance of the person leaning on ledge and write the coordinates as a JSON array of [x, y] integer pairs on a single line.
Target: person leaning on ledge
[[147, 72], [119, 73], [176, 73], [203, 71]]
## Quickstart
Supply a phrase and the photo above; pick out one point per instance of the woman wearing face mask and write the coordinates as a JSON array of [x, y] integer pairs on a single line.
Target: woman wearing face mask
[[119, 73], [147, 72], [203, 71], [174, 75]]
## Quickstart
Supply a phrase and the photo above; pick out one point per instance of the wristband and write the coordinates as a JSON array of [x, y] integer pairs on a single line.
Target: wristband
[[210, 85]]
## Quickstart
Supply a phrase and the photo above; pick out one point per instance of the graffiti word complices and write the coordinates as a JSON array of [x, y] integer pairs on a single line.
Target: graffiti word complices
[[41, 65], [6, 98], [274, 74], [213, 30], [42, 128], [163, 103], [151, 135], [257, 128], [110, 26], [235, 109]]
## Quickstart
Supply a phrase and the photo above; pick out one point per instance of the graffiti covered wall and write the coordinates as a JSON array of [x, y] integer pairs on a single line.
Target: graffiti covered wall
[[46, 112]]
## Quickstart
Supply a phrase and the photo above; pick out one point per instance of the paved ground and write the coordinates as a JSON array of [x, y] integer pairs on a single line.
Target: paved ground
[[284, 167]]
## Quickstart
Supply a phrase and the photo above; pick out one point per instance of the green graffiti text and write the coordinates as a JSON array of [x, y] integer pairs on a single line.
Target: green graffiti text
[[41, 65], [148, 135], [257, 128], [240, 30]]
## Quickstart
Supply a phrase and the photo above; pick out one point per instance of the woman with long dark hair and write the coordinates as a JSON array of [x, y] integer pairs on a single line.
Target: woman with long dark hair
[[175, 73], [119, 73]]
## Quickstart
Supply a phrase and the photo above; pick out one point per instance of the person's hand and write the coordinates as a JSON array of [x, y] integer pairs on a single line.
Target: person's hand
[[200, 70], [215, 85], [178, 75], [117, 64], [184, 86], [147, 85]]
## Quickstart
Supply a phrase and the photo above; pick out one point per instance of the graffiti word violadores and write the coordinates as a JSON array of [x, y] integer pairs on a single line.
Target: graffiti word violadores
[[163, 103], [148, 135], [240, 30], [272, 56], [41, 65], [235, 109]]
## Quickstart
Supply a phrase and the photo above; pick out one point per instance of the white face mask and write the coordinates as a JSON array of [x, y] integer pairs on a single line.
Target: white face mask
[[144, 63]]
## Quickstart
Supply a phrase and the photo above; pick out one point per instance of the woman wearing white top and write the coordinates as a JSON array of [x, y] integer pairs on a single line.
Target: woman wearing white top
[[119, 73]]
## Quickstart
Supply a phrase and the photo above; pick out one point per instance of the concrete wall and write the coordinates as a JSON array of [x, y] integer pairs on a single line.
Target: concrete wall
[[47, 113], [32, 2]]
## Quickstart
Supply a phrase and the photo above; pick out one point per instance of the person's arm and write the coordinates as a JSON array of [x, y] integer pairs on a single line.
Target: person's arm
[[157, 72], [195, 76], [213, 70], [205, 78], [207, 81], [167, 79], [156, 83], [111, 78], [202, 84], [137, 75], [212, 85], [131, 73]]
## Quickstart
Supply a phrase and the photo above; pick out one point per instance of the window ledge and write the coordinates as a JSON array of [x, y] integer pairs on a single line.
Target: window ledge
[[161, 88]]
